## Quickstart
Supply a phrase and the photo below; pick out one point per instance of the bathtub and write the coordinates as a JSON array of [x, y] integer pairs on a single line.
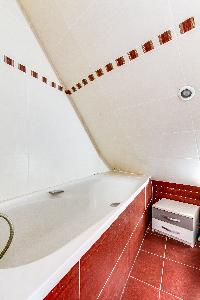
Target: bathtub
[[52, 233]]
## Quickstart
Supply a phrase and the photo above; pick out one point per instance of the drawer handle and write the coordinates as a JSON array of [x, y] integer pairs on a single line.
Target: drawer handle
[[172, 219], [176, 232]]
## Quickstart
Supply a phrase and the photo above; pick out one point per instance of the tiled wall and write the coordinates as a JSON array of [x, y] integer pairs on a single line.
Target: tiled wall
[[133, 57], [179, 192], [42, 140], [104, 269]]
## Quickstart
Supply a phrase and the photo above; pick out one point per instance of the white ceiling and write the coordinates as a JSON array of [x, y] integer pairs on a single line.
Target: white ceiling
[[133, 113]]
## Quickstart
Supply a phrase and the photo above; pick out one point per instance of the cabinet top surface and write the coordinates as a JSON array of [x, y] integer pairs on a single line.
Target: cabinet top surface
[[185, 209]]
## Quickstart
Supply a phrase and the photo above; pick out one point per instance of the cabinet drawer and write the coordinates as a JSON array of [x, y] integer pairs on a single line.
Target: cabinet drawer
[[172, 218], [174, 231]]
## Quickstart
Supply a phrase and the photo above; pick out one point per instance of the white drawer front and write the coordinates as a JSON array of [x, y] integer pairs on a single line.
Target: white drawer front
[[174, 231]]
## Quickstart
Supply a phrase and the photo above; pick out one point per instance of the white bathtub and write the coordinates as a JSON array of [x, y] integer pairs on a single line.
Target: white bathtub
[[53, 232]]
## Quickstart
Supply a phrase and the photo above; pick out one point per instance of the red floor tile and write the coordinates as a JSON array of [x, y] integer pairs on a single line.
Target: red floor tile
[[166, 296], [136, 290], [183, 253], [181, 281], [148, 268], [154, 243]]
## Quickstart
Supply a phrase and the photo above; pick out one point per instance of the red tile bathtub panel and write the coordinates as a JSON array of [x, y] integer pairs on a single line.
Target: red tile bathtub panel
[[136, 239], [187, 25], [165, 37], [179, 192], [148, 193], [98, 262], [67, 288], [137, 208], [117, 280]]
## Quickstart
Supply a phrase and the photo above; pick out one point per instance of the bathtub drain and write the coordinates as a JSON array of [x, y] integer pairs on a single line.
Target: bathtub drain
[[115, 204]]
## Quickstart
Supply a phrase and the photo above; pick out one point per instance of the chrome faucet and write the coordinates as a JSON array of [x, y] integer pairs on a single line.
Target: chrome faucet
[[11, 235]]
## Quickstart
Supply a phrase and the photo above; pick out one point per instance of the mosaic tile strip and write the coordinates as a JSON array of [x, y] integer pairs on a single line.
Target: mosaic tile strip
[[9, 61], [187, 25], [91, 77], [22, 68], [163, 38], [120, 61], [34, 74], [99, 72], [109, 67], [148, 46], [133, 54]]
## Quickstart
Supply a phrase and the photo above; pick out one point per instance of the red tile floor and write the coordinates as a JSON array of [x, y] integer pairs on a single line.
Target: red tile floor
[[164, 269]]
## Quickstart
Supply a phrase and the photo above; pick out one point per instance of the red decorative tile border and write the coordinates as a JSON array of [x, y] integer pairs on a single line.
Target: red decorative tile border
[[44, 79], [148, 46], [53, 84], [133, 54], [9, 61], [99, 72], [109, 67], [91, 77], [120, 61], [34, 74], [163, 38], [22, 68], [187, 25]]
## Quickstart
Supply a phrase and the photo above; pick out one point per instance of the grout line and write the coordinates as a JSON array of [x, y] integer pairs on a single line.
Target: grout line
[[151, 253], [196, 268], [172, 295], [144, 282], [152, 286], [162, 272]]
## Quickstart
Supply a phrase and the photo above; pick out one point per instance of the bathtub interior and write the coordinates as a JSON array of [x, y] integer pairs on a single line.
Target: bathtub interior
[[45, 223]]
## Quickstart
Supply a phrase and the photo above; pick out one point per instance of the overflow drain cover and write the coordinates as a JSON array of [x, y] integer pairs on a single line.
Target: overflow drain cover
[[115, 204]]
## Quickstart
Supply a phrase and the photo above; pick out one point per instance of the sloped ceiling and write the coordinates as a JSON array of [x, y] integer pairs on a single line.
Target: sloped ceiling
[[133, 112]]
